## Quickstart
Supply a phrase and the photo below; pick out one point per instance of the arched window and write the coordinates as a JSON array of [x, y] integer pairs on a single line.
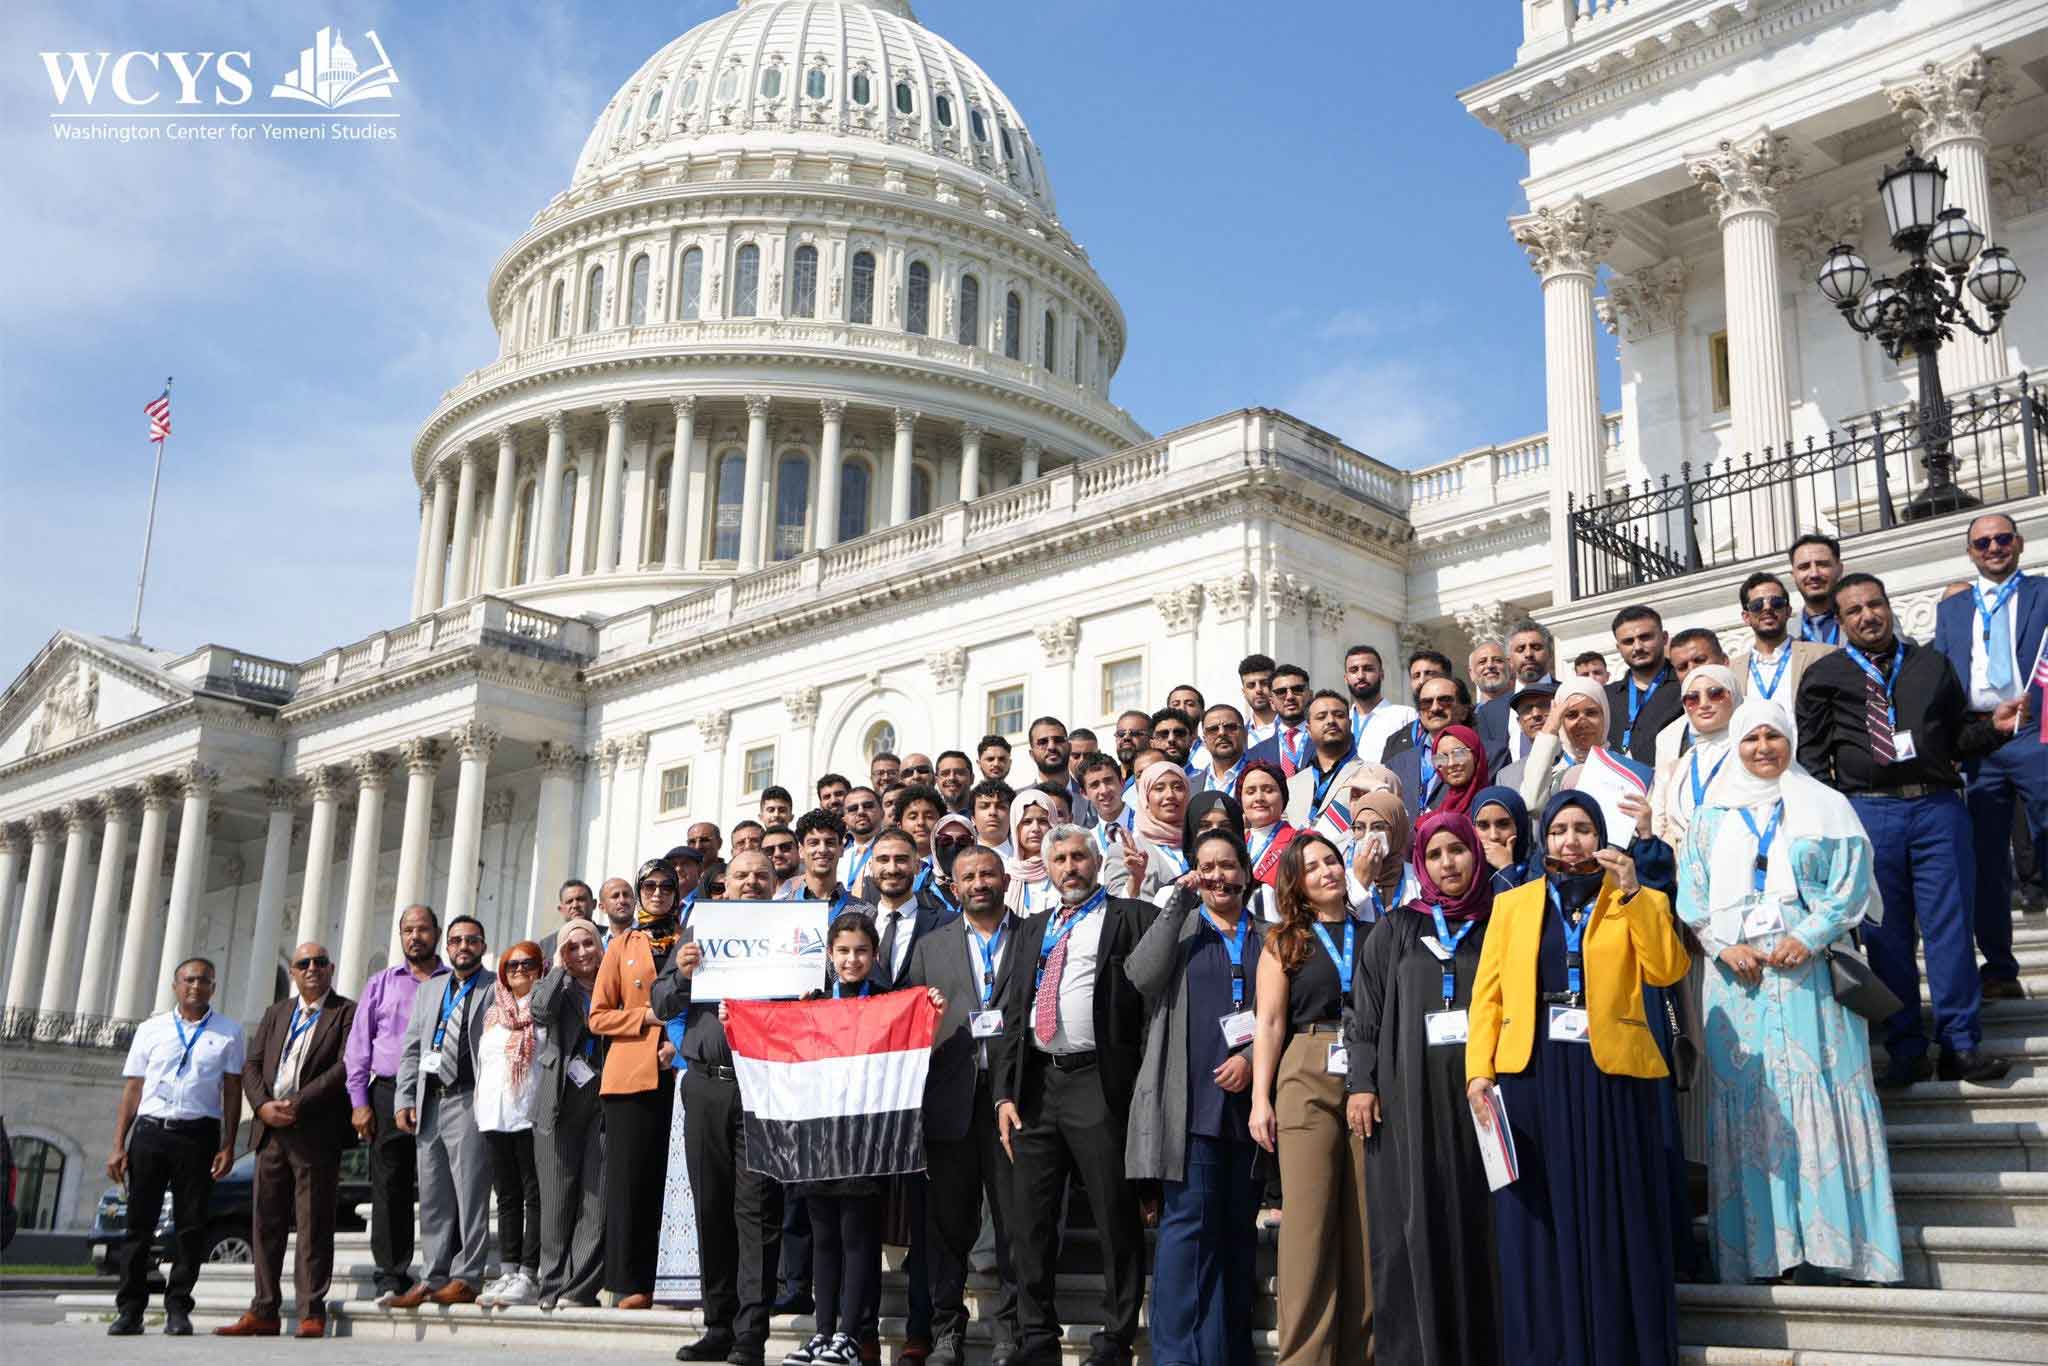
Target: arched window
[[657, 512], [863, 310], [880, 739], [556, 311], [1009, 152], [917, 313], [729, 83], [906, 99], [814, 83], [942, 110], [636, 295], [564, 524], [1013, 326], [1050, 358], [654, 102], [725, 522], [593, 300], [689, 95], [803, 284], [39, 1181], [854, 480], [771, 83], [862, 90], [978, 124], [920, 490], [970, 311], [792, 505], [521, 569], [692, 282], [746, 282]]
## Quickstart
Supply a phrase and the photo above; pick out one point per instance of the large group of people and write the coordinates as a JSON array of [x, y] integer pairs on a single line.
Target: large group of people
[[1293, 961]]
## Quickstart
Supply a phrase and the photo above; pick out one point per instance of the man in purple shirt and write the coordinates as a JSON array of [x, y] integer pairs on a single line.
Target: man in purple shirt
[[374, 1045]]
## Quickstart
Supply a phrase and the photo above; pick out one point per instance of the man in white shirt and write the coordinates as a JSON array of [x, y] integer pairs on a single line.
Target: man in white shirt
[[1374, 720], [863, 817], [1255, 680], [174, 1133]]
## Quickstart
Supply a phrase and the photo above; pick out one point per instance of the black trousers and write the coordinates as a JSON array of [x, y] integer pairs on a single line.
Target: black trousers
[[515, 1181], [795, 1273], [172, 1158], [960, 1174], [1069, 1131], [636, 1129], [739, 1213], [846, 1241], [394, 1191]]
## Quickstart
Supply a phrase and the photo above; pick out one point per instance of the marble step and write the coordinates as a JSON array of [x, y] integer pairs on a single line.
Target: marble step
[[1993, 1199], [1919, 1145], [1986, 1325], [2033, 981], [2021, 1095]]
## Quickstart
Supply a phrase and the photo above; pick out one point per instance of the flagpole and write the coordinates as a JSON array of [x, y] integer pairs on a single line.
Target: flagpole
[[148, 534]]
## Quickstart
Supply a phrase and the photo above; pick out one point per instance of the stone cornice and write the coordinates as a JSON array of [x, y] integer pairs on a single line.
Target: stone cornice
[[480, 664], [61, 648], [199, 712], [1498, 528]]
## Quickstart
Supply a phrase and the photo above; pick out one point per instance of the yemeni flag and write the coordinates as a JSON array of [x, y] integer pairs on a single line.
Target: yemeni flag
[[833, 1089]]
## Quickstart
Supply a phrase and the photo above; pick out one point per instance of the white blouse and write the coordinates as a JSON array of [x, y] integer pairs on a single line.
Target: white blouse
[[501, 1107]]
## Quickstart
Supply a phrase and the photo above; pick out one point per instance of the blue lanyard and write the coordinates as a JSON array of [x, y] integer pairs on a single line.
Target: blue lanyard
[[1770, 689], [839, 989], [860, 864], [1427, 760], [1699, 789], [1235, 948], [450, 1003], [1272, 833], [1177, 857], [300, 1026], [1863, 662], [1299, 754], [1763, 843], [1574, 935], [1637, 701], [1054, 936], [1345, 959], [989, 947], [1831, 634], [188, 1044], [1228, 782], [1986, 614], [1324, 782], [1450, 942]]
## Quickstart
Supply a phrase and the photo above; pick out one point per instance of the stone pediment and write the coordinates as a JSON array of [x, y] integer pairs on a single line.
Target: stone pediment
[[79, 685]]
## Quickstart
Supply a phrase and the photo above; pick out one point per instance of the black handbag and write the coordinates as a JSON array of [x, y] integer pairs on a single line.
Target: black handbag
[[1685, 1054], [1858, 988]]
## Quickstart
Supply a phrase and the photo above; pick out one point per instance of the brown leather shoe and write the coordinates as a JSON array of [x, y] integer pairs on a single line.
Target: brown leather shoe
[[413, 1298], [455, 1292], [249, 1326], [313, 1326], [635, 1301], [914, 1349]]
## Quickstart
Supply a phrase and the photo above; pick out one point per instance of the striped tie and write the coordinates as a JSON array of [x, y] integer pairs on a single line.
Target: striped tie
[[1877, 710], [1045, 1011]]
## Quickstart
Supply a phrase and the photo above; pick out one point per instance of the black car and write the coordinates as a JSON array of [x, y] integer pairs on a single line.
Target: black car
[[228, 1212]]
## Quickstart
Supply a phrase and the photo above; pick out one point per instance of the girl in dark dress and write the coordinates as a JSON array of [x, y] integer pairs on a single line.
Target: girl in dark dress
[[1432, 1245]]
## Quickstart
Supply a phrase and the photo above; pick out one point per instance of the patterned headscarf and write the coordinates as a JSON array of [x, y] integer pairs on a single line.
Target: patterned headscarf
[[661, 930], [515, 1014]]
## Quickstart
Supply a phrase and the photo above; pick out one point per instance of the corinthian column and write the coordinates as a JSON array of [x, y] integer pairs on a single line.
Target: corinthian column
[[970, 461], [324, 783], [134, 987], [554, 832], [831, 465], [434, 590], [258, 983], [118, 811], [498, 549], [188, 876], [612, 488], [416, 835], [465, 527], [1744, 180], [13, 853], [60, 970], [548, 541], [900, 466], [419, 570], [475, 744], [25, 970], [685, 410], [1565, 245], [373, 771], [753, 496], [1948, 106]]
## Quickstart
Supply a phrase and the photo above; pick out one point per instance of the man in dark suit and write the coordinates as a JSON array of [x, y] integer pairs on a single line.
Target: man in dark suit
[[1438, 701], [295, 1081], [1645, 698], [568, 1124], [1992, 636], [1529, 661], [1289, 745], [1062, 1076], [966, 959]]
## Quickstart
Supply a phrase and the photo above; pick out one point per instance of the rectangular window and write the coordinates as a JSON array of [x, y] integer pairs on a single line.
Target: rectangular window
[[1717, 370], [759, 769], [1123, 685], [675, 789], [1006, 710]]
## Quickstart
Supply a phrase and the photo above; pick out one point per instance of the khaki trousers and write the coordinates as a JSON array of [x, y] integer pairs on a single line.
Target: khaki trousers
[[1325, 1271]]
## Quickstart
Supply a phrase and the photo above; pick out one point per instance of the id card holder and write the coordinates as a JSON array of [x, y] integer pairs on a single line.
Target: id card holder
[[1903, 747], [1337, 1060], [1430, 942], [430, 1064], [1568, 1024], [1444, 1027], [1238, 1028], [1762, 920], [985, 1024], [580, 1073]]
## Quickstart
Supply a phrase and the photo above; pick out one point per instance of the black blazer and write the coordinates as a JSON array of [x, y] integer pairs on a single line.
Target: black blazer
[[932, 912], [1119, 1009], [558, 1006], [946, 959], [1493, 720], [1660, 709], [323, 1082]]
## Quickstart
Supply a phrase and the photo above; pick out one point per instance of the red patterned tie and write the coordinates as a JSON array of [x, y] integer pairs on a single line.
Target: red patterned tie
[[1287, 749], [1878, 717], [1045, 1011]]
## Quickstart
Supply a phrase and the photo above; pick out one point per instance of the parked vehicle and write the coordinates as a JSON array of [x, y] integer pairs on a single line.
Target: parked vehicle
[[227, 1212]]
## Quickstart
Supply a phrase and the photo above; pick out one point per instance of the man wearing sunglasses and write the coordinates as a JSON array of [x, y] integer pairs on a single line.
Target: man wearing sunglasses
[[1775, 662], [295, 1081], [1992, 636], [1288, 745]]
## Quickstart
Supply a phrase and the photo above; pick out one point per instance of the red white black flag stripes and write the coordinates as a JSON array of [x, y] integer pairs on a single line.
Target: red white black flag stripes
[[833, 1089]]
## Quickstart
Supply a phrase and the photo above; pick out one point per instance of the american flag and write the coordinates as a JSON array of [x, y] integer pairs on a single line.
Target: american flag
[[2040, 681], [159, 410]]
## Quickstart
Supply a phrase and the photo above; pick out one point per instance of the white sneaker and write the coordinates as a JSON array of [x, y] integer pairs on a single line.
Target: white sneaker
[[518, 1288], [489, 1294], [807, 1355], [841, 1351], [385, 1298]]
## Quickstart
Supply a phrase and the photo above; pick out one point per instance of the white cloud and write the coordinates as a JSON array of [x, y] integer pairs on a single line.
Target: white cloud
[[1351, 324], [1397, 411]]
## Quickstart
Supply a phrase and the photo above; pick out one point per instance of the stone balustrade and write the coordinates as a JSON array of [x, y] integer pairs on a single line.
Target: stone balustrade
[[1493, 475]]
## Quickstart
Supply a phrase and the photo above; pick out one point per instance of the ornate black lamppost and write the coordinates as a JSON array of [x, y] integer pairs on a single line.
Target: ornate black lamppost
[[1920, 306]]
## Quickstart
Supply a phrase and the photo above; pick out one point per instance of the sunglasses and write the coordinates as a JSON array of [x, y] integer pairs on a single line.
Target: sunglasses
[[2001, 539], [1703, 696], [454, 939], [519, 965], [318, 961], [1132, 734], [1770, 604], [653, 886], [1289, 689], [1437, 703], [918, 768]]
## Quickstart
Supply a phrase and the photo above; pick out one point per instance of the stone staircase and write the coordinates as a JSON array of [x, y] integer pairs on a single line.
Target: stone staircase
[[1970, 1176]]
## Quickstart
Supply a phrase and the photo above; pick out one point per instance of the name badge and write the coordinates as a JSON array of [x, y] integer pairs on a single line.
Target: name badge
[[580, 1073], [1337, 1061], [1568, 1024], [430, 1065], [985, 1024], [1448, 1027], [1762, 919], [1903, 747], [1238, 1028], [1443, 955]]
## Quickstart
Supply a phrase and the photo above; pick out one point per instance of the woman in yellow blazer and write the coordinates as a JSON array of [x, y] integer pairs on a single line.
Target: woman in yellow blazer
[[1585, 1233], [638, 1087]]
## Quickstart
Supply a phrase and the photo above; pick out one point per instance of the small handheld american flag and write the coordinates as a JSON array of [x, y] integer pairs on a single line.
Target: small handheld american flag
[[159, 410], [2040, 680]]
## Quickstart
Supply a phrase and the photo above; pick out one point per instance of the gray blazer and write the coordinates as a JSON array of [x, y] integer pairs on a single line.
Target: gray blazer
[[1156, 1138], [944, 958], [419, 1030], [558, 1006]]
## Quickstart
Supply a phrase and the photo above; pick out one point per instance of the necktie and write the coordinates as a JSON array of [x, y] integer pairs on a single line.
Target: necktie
[[1045, 1010], [1878, 717], [889, 943], [1288, 749]]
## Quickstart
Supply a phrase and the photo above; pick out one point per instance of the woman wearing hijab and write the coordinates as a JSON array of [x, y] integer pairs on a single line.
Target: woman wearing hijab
[[1576, 727], [1460, 770], [1710, 697], [1153, 858], [638, 1086], [1585, 1235], [568, 1124], [953, 833], [507, 1084], [1379, 879], [1191, 1108], [1262, 795], [1503, 824], [1798, 1170], [1033, 812], [1432, 1263]]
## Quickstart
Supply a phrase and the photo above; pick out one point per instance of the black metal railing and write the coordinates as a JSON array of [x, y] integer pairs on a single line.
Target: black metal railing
[[25, 1024], [1863, 479]]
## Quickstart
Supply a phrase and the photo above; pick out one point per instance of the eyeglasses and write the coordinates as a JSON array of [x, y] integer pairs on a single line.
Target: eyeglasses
[[1438, 703], [1716, 695], [651, 885], [1447, 752], [455, 939], [318, 961], [519, 965], [2001, 539], [1769, 604], [1289, 689], [1132, 734]]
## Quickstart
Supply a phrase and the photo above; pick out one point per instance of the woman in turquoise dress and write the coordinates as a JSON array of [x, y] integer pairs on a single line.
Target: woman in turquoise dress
[[1778, 867]]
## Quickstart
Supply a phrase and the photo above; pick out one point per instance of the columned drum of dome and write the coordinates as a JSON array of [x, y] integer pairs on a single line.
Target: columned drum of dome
[[807, 201]]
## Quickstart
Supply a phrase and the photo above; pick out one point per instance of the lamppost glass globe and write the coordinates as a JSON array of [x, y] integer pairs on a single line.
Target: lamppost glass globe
[[1844, 275], [1954, 241], [1997, 278], [1871, 311]]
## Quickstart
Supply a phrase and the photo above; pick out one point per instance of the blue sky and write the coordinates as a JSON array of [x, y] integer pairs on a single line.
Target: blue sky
[[1287, 198]]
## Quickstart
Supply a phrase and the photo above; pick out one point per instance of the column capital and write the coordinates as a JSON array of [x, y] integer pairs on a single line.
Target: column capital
[[422, 754], [1326, 610], [802, 705], [948, 666], [1646, 303], [323, 783], [156, 793], [498, 808], [758, 406], [1286, 595], [1567, 239], [714, 728], [373, 769], [1484, 622], [606, 757], [1179, 608], [473, 740], [906, 419], [560, 759], [615, 414], [475, 453], [1059, 639], [1414, 637], [1747, 174], [972, 431], [14, 839], [557, 422], [1948, 101], [1807, 241], [118, 802], [45, 826], [504, 436], [633, 749], [77, 816], [444, 476], [832, 409], [1230, 597], [196, 780], [684, 408], [283, 794], [1031, 446]]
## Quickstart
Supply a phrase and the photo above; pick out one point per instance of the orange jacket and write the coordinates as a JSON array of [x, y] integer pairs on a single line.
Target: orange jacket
[[621, 1010]]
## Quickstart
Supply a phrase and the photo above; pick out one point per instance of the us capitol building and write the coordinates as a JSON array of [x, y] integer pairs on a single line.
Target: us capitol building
[[799, 442]]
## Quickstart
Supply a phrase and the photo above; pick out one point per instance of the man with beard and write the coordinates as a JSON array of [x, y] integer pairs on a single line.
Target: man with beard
[[954, 775], [992, 755], [884, 769], [1255, 680], [1645, 699], [1187, 699], [575, 901], [704, 838], [1081, 743], [1529, 661], [863, 817], [1327, 775], [1288, 745], [1223, 740], [832, 790], [1414, 762], [376, 1042], [1487, 667], [617, 900], [779, 844], [1173, 735], [1374, 720], [1052, 757], [688, 866], [1816, 562], [1426, 664], [1774, 664], [1133, 734], [917, 771]]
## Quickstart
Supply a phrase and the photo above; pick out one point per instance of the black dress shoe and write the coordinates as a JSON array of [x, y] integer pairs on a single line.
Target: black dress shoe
[[1975, 1065], [2003, 989], [1900, 1073], [125, 1325], [710, 1347], [177, 1323]]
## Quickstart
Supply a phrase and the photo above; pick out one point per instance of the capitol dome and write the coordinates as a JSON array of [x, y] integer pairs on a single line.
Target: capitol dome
[[806, 285]]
